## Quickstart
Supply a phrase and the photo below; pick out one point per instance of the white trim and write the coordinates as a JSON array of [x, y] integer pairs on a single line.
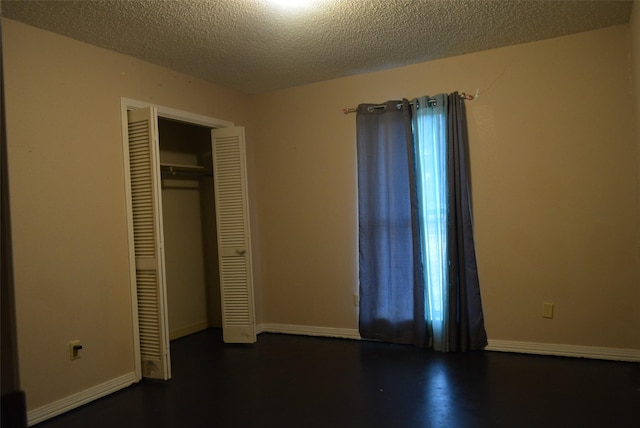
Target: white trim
[[76, 400], [180, 115], [616, 354], [594, 352], [306, 330]]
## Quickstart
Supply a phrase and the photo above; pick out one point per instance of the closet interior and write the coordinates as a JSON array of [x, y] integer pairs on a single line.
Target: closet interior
[[189, 227]]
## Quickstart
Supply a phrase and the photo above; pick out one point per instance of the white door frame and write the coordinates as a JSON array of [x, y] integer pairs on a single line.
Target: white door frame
[[167, 113]]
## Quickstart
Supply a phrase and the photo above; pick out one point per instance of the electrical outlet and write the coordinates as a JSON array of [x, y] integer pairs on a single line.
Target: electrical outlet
[[356, 300], [74, 349], [547, 310]]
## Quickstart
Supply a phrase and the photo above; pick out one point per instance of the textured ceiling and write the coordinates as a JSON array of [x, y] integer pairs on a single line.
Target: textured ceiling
[[253, 46]]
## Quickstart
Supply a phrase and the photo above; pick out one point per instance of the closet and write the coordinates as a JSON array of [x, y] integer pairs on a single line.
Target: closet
[[201, 274], [189, 226]]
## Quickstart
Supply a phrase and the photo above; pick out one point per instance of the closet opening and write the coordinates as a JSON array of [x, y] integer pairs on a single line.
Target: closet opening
[[208, 245], [189, 226]]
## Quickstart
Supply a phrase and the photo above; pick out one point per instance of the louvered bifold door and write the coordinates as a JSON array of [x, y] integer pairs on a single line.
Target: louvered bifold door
[[148, 243], [234, 246]]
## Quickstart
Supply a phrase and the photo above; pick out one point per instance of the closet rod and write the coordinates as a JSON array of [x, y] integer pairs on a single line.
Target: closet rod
[[179, 171]]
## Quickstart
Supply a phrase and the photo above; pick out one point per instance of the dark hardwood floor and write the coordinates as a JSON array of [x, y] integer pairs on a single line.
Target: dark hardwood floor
[[297, 381]]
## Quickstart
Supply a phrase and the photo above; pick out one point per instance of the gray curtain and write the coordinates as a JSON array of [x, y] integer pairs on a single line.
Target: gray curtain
[[391, 295], [466, 321], [392, 292]]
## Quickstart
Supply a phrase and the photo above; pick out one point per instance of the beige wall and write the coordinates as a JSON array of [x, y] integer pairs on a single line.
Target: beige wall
[[554, 187], [67, 200], [184, 251], [184, 257]]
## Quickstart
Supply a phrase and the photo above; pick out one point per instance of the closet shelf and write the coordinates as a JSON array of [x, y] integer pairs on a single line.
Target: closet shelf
[[184, 171]]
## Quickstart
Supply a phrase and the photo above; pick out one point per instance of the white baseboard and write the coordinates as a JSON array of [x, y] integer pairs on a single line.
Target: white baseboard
[[306, 330], [594, 352], [76, 400]]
